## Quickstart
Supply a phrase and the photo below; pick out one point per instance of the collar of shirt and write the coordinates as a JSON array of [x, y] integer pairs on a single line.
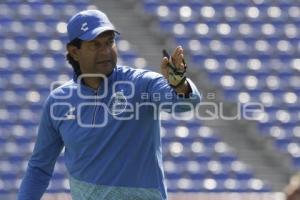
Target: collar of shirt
[[88, 90]]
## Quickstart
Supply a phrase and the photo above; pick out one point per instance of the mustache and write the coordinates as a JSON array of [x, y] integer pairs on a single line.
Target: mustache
[[104, 61]]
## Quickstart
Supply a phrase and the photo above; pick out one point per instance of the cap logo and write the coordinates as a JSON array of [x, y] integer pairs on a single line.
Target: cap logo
[[84, 27]]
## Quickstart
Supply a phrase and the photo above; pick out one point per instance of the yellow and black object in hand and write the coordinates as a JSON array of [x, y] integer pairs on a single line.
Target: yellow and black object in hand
[[176, 77]]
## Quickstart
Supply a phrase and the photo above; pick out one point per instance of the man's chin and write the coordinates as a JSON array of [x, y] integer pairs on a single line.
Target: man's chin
[[105, 69]]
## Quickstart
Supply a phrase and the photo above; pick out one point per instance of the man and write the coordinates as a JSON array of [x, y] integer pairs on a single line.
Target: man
[[106, 119]]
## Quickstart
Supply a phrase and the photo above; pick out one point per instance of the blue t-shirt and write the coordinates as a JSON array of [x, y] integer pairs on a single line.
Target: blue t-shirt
[[111, 136]]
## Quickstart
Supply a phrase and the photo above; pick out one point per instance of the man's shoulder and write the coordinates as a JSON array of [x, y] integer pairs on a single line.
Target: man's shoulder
[[64, 90], [127, 70]]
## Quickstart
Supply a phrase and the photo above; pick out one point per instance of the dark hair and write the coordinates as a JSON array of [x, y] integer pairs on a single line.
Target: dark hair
[[75, 65]]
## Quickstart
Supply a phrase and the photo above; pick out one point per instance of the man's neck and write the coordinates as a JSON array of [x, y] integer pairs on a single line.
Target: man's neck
[[93, 83]]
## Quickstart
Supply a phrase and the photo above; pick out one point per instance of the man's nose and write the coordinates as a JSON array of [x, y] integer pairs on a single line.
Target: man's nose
[[105, 50]]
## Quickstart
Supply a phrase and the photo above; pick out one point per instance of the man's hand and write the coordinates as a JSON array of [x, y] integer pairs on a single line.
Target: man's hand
[[173, 68], [292, 190]]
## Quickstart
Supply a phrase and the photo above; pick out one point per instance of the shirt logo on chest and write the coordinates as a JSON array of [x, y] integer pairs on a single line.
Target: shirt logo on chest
[[117, 103], [70, 114]]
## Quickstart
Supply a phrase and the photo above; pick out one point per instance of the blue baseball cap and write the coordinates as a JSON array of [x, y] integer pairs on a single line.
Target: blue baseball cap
[[88, 24]]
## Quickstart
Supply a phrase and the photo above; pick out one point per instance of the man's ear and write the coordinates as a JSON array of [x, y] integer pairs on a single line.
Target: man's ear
[[73, 51]]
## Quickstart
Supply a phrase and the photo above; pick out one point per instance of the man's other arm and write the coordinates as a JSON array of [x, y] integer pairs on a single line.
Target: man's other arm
[[41, 164]]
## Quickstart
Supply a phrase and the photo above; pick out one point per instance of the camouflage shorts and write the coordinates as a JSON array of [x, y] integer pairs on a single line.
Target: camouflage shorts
[[86, 191]]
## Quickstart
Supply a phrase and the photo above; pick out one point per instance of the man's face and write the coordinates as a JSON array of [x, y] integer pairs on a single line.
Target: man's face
[[98, 56]]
